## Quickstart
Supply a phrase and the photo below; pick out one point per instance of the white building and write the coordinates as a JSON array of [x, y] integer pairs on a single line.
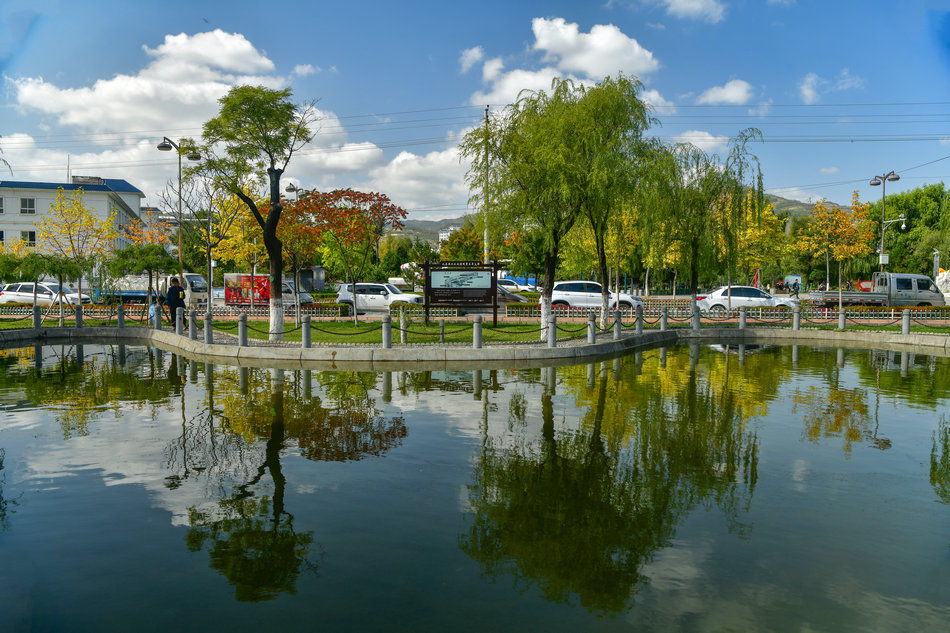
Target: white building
[[24, 204], [445, 233]]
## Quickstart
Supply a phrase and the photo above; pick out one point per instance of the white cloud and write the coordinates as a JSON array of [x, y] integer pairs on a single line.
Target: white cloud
[[808, 88], [470, 57], [847, 81], [217, 49], [829, 170], [302, 70], [945, 140], [492, 68], [762, 109], [179, 88], [796, 193], [655, 99], [413, 181], [604, 51], [708, 10], [506, 86], [702, 139], [734, 92], [812, 86]]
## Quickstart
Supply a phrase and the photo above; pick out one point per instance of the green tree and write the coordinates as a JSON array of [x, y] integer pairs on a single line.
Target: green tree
[[527, 170], [691, 196], [463, 245], [254, 136]]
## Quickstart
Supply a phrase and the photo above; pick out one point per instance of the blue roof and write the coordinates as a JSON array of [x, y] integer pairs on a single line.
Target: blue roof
[[116, 185]]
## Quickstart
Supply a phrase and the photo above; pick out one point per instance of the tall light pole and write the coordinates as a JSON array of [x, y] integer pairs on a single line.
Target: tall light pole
[[294, 189], [166, 146], [882, 181]]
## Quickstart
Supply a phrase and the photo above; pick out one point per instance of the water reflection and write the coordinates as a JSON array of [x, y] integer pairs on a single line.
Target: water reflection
[[577, 482], [577, 513]]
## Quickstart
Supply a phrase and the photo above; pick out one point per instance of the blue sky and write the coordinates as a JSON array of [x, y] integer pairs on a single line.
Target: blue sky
[[841, 90]]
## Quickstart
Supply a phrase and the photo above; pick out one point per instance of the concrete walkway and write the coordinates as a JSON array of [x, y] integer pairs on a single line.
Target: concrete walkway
[[375, 358]]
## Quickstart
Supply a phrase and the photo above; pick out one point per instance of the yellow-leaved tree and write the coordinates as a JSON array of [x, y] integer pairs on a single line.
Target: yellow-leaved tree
[[72, 231]]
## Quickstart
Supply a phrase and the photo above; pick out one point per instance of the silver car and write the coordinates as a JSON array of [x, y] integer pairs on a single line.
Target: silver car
[[47, 293], [719, 300], [587, 294]]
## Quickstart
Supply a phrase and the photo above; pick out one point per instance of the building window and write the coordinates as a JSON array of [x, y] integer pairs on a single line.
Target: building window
[[29, 237], [28, 206], [1, 237], [1, 205]]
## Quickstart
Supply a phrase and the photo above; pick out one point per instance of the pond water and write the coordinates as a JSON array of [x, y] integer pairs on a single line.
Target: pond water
[[689, 488]]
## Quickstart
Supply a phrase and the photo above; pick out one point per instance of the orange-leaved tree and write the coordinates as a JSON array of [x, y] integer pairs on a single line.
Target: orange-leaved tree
[[352, 223]]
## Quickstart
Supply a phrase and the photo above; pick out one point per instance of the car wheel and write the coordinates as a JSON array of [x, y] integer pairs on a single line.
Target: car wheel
[[718, 310], [923, 305], [560, 305], [625, 305]]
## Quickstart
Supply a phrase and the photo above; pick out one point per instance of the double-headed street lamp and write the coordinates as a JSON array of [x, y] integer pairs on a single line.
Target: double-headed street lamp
[[294, 189], [166, 146], [882, 181]]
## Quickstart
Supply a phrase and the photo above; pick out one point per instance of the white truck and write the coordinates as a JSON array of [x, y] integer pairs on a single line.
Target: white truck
[[134, 288], [887, 289]]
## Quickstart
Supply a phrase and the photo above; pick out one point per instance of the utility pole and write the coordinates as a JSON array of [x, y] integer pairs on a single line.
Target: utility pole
[[484, 194]]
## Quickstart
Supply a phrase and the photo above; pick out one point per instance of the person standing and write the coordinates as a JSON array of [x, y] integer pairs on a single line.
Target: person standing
[[175, 299]]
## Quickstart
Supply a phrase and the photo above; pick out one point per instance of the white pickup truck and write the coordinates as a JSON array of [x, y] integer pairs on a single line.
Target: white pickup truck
[[887, 289]]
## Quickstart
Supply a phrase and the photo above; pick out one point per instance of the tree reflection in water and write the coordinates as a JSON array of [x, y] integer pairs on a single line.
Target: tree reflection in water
[[578, 513], [940, 460], [250, 534]]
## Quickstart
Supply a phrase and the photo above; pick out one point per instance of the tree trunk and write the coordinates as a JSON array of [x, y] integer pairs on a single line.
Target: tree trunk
[[274, 256], [297, 291], [694, 269], [839, 286], [210, 277], [646, 283], [605, 284], [550, 263]]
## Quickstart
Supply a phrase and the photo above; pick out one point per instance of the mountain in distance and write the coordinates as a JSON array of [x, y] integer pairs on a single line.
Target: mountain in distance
[[795, 208], [428, 230]]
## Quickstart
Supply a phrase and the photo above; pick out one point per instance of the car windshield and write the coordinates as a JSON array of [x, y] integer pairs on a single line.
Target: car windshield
[[197, 283], [55, 289], [393, 289]]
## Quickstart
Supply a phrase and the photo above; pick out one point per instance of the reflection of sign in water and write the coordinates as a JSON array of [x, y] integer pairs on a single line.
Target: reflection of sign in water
[[461, 279]]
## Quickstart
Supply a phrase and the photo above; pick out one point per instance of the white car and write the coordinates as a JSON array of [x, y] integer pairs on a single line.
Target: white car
[[587, 294], [513, 286], [742, 296], [376, 297], [46, 294]]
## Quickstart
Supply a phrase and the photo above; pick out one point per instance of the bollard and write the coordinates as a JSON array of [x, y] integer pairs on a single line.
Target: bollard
[[742, 317], [841, 317], [664, 316], [639, 311], [591, 329], [79, 316], [193, 325], [178, 317], [796, 318], [696, 317], [477, 384], [242, 330], [477, 332], [209, 328], [663, 357], [442, 330], [905, 321], [794, 355], [905, 363], [552, 332], [387, 386], [387, 331], [305, 332], [617, 325], [37, 317], [120, 315], [741, 354], [403, 335]]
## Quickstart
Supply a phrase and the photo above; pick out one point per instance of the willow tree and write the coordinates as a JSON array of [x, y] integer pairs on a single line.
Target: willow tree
[[527, 170], [694, 199], [613, 120], [254, 136]]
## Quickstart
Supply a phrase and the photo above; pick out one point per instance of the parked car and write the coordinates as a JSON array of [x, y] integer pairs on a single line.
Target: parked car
[[742, 296], [370, 296], [508, 285], [47, 293], [587, 294]]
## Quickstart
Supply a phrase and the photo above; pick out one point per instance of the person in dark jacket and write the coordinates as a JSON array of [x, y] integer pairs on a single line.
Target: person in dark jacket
[[175, 299]]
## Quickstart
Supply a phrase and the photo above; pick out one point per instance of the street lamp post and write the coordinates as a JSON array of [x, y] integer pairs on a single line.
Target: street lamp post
[[166, 146], [294, 189], [882, 181]]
